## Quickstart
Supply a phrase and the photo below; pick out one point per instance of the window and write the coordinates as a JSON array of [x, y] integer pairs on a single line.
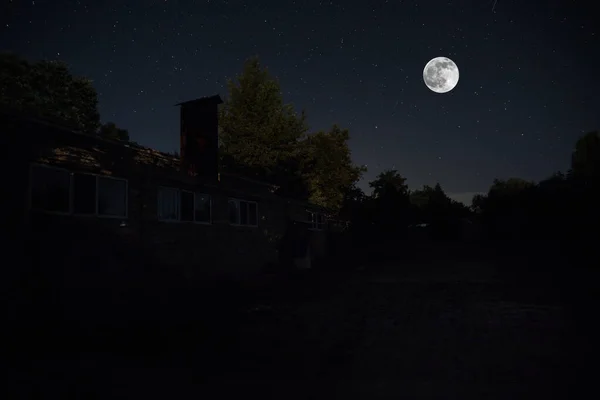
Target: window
[[202, 208], [112, 197], [316, 220], [84, 194], [168, 204], [187, 206], [50, 189], [57, 190], [183, 206], [242, 212]]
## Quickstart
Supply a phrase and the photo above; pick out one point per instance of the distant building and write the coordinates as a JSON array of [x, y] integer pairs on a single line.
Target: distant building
[[177, 211]]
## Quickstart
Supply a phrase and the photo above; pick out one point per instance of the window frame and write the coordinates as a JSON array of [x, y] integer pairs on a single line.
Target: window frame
[[126, 196], [71, 211], [158, 204], [32, 166], [314, 220], [178, 220], [239, 201]]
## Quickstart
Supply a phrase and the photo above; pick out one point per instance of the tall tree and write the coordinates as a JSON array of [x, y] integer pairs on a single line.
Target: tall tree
[[585, 160], [354, 199], [259, 133], [420, 197], [328, 167], [48, 90], [478, 203], [390, 204], [389, 182]]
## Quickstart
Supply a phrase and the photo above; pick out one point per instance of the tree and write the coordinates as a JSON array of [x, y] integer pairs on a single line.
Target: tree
[[478, 203], [585, 160], [47, 90], [389, 206], [389, 182], [110, 131], [259, 134], [353, 205], [420, 197], [328, 167], [509, 188]]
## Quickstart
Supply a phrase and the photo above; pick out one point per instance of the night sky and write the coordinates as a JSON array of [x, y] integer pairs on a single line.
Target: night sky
[[528, 73]]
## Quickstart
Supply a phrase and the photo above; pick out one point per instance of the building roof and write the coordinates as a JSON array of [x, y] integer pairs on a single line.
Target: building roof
[[214, 99], [166, 159]]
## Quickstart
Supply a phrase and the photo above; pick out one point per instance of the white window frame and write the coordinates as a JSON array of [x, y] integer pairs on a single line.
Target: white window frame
[[314, 221], [239, 217], [71, 193], [178, 219]]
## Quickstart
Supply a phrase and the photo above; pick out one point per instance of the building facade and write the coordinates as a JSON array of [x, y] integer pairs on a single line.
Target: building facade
[[85, 195]]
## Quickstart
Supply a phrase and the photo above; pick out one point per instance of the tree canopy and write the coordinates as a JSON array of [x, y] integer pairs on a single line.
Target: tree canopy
[[258, 132], [261, 135], [47, 90], [585, 160], [329, 170], [429, 197], [389, 182]]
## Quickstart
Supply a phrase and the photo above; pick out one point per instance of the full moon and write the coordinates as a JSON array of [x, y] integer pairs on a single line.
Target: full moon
[[440, 75]]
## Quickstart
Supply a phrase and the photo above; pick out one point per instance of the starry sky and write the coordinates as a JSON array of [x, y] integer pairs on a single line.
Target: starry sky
[[528, 73]]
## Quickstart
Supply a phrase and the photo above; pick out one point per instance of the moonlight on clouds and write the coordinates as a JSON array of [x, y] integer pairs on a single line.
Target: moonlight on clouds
[[440, 74]]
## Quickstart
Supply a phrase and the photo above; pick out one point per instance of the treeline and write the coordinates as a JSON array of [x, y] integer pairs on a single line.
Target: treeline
[[392, 210], [47, 90], [262, 136], [563, 207]]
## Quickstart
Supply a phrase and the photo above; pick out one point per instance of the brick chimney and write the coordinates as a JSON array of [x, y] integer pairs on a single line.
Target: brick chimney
[[199, 136]]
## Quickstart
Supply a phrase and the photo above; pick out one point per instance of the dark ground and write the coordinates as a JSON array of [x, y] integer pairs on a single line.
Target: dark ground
[[443, 322]]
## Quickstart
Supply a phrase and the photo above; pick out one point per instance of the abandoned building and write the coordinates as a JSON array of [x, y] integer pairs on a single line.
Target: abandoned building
[[89, 196]]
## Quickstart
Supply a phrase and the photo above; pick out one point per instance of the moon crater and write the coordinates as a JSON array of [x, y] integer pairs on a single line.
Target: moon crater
[[441, 75]]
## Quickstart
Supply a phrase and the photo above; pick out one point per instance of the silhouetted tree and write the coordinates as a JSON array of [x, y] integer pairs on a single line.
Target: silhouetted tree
[[478, 203], [585, 160], [111, 131], [389, 206], [259, 134], [262, 136], [47, 90], [434, 207], [389, 182], [353, 203], [328, 167]]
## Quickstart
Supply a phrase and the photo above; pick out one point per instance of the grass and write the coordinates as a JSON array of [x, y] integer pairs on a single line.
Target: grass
[[424, 318]]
